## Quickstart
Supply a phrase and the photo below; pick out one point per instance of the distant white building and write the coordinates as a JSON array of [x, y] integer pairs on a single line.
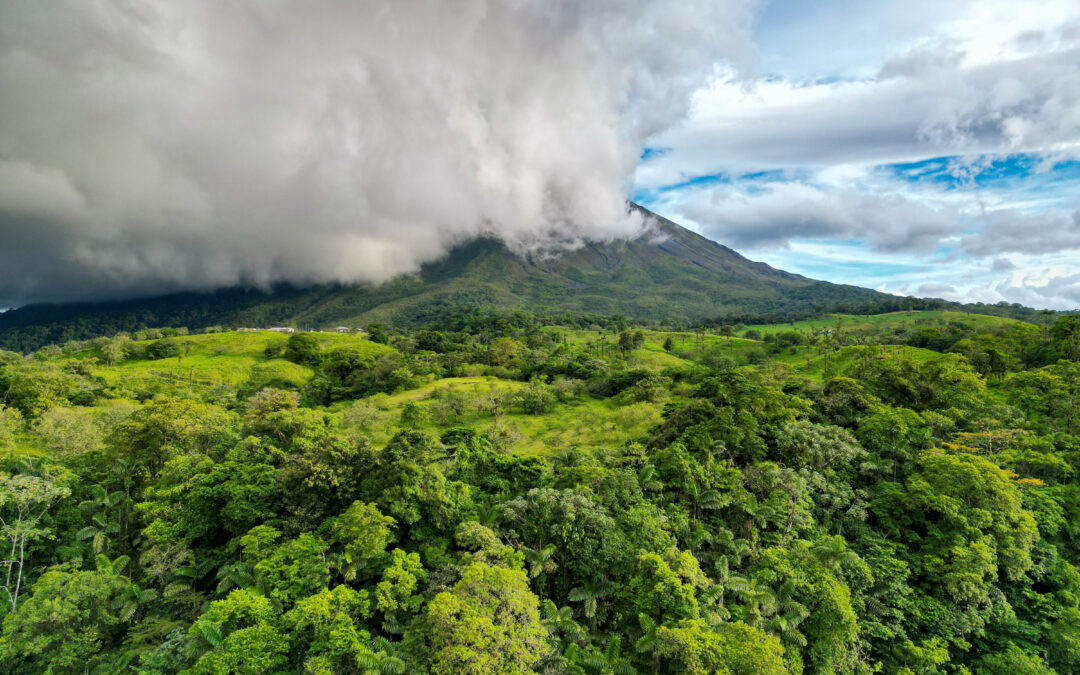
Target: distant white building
[[282, 329], [343, 329]]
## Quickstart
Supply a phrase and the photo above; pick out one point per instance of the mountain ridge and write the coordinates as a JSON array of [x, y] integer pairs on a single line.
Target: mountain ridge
[[669, 272]]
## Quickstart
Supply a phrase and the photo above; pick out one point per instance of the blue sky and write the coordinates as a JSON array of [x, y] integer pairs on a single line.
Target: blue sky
[[915, 147]]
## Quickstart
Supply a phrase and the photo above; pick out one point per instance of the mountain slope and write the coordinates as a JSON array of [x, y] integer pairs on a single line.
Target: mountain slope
[[669, 273]]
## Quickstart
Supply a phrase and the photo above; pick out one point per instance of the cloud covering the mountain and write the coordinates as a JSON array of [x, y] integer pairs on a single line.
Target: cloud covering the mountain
[[146, 147]]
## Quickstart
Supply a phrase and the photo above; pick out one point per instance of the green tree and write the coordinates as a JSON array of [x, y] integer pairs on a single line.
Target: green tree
[[589, 593], [239, 635], [290, 570], [303, 348], [665, 587], [730, 648], [966, 518], [66, 625], [397, 595], [377, 334], [489, 623], [363, 533], [167, 427], [24, 501]]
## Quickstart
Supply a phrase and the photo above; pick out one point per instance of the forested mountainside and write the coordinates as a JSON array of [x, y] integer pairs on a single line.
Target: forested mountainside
[[893, 494], [670, 274]]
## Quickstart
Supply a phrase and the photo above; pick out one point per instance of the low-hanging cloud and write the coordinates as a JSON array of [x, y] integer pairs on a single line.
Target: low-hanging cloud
[[772, 214], [154, 146]]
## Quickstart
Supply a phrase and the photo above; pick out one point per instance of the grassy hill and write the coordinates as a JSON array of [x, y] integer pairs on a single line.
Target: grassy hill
[[223, 367]]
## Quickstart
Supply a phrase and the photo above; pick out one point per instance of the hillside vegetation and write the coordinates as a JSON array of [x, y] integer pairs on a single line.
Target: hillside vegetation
[[669, 275], [887, 494]]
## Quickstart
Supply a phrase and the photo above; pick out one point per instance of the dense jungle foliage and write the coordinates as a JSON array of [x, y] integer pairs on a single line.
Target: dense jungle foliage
[[893, 494]]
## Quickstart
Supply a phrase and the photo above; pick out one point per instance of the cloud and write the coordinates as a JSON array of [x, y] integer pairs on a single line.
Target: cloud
[[1054, 286], [936, 290], [772, 214], [930, 101], [147, 147], [1013, 231]]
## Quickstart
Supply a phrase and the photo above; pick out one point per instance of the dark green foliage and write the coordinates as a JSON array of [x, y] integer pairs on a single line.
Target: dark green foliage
[[303, 348], [904, 512]]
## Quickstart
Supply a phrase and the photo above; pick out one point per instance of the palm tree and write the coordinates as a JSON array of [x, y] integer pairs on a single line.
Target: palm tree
[[105, 520], [757, 516], [378, 658], [131, 598], [235, 575], [560, 620], [487, 513], [566, 663], [609, 661], [540, 561], [833, 553], [647, 642], [647, 479], [589, 592], [726, 541], [710, 500], [695, 539], [789, 614], [115, 566], [726, 580], [759, 603]]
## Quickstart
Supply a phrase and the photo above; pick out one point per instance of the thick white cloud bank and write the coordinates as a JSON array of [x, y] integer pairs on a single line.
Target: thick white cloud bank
[[147, 147]]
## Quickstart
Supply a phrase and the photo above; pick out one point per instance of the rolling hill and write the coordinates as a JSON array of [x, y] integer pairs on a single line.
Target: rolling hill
[[668, 273]]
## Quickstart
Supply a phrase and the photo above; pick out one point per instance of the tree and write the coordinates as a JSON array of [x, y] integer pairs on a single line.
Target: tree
[[288, 571], [65, 625], [24, 501], [966, 518], [834, 553], [116, 349], [732, 648], [328, 636], [665, 587], [363, 532], [726, 580], [535, 398], [631, 340], [397, 595], [303, 348], [103, 508], [166, 427], [377, 334], [488, 623], [589, 593], [560, 621], [239, 635], [412, 415], [611, 659], [580, 531]]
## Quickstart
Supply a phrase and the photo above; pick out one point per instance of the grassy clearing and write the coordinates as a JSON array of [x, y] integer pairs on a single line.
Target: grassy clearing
[[879, 322], [227, 362], [229, 359], [583, 422]]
